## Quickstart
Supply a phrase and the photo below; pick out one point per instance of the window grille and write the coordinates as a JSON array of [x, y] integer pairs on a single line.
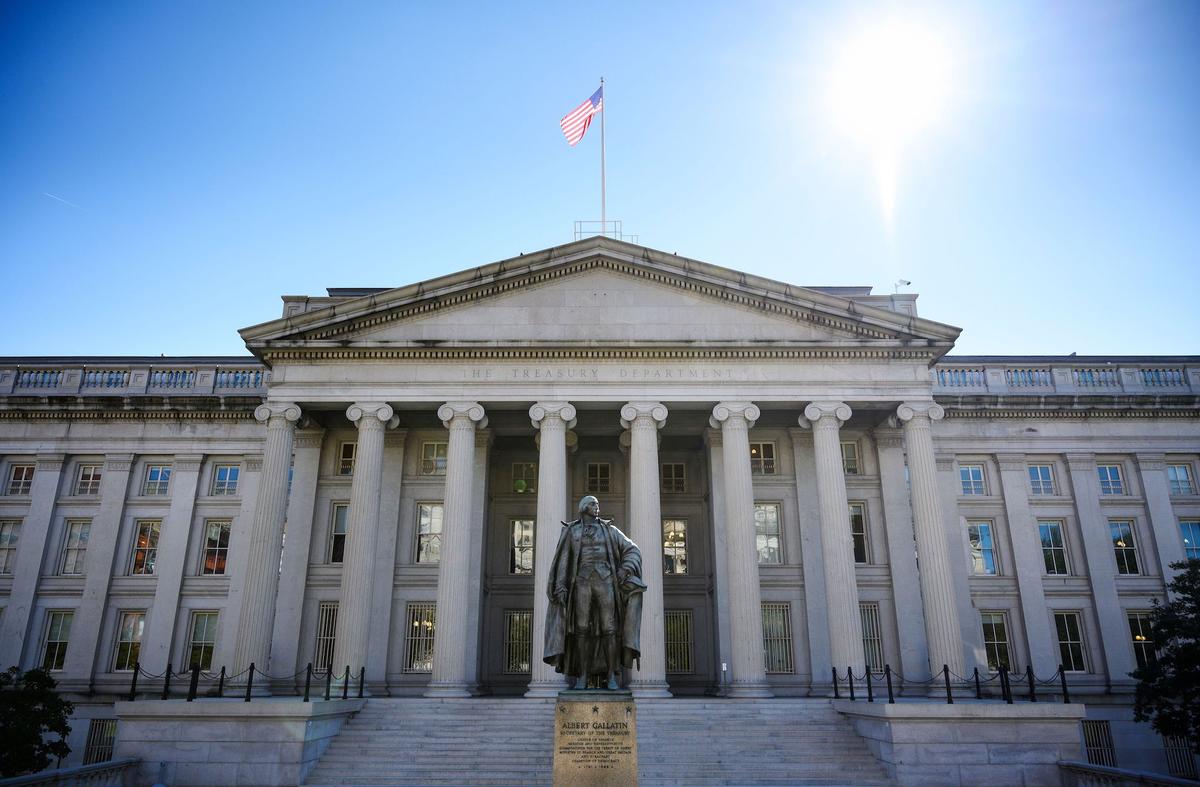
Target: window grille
[[75, 547], [327, 613], [88, 480], [1124, 546], [145, 546], [129, 640], [202, 640], [1054, 551], [1041, 479], [673, 478], [766, 532], [20, 479], [1142, 638], [858, 531], [679, 641], [1188, 528], [599, 477], [520, 559], [983, 548], [762, 458], [429, 532], [971, 478], [102, 735], [58, 633], [1110, 479], [433, 458], [418, 646], [1181, 480], [872, 635], [524, 478], [995, 640], [1181, 761], [10, 534], [1098, 743], [158, 480], [675, 547], [346, 454], [216, 546], [777, 637], [517, 625], [1070, 641], [337, 532], [850, 463], [225, 479]]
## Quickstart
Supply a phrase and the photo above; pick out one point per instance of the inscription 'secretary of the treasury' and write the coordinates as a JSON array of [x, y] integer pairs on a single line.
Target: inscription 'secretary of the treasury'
[[603, 373]]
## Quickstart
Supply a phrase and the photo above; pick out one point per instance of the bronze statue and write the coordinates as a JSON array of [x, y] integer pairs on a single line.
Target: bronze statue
[[594, 620]]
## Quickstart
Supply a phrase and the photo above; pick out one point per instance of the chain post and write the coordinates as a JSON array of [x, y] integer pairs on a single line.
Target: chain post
[[946, 676], [328, 680], [362, 676], [307, 680], [194, 684], [887, 674], [1062, 677], [836, 696], [870, 692], [346, 684], [221, 684], [249, 682], [166, 692], [137, 667], [978, 687], [850, 681]]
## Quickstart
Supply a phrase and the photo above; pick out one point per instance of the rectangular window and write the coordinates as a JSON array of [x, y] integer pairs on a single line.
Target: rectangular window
[[971, 478], [346, 453], [327, 613], [777, 637], [1110, 479], [766, 533], [762, 458], [524, 478], [1054, 550], [858, 531], [433, 458], [520, 560], [678, 623], [1041, 479], [1124, 548], [1140, 636], [872, 636], [983, 549], [202, 640], [429, 532], [418, 645], [1098, 743], [675, 546], [145, 546], [129, 640], [517, 626], [850, 464], [225, 479], [1181, 760], [216, 547], [1181, 480], [673, 478], [1189, 528], [58, 632], [75, 547], [599, 477], [10, 534], [337, 532], [87, 480], [20, 479], [102, 735], [158, 480], [1070, 641], [995, 640]]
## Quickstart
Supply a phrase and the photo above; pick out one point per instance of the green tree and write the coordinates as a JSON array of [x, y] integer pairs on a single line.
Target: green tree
[[1168, 690], [31, 713]]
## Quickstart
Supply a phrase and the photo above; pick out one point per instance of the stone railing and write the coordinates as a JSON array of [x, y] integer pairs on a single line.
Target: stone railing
[[219, 378], [1083, 774], [1086, 377], [113, 773]]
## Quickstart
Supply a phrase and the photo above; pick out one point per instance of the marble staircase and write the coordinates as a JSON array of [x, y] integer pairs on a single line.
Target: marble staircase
[[487, 741]]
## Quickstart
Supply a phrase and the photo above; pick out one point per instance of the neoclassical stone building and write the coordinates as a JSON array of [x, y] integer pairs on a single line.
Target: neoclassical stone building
[[381, 485]]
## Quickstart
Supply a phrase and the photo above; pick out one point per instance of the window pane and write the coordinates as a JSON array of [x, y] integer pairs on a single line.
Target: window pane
[[675, 546], [429, 532], [766, 530], [520, 559]]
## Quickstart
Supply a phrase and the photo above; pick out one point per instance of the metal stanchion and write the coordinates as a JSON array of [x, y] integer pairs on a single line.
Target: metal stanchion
[[166, 692], [946, 675], [346, 684], [1062, 677], [850, 681], [836, 696], [1029, 677], [194, 684], [978, 688], [307, 680], [362, 676], [137, 667], [870, 692], [249, 682], [887, 674]]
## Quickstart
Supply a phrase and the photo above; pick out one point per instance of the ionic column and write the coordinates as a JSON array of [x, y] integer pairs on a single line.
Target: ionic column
[[362, 536], [837, 544], [937, 585], [643, 420], [749, 678], [257, 618], [552, 420], [451, 676]]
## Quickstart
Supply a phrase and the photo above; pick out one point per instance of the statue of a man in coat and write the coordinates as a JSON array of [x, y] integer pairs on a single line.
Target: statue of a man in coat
[[594, 620]]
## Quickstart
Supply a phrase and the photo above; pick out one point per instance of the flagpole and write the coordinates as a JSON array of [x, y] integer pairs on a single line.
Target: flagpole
[[603, 215]]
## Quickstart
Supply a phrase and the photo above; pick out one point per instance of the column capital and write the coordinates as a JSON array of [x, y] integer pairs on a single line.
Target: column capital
[[910, 410], [712, 437], [118, 462], [634, 410], [289, 411], [888, 436], [1011, 462], [564, 411], [1148, 461], [308, 439], [725, 411], [50, 461], [455, 410], [815, 411], [1080, 461], [945, 460], [254, 463], [187, 462], [360, 414]]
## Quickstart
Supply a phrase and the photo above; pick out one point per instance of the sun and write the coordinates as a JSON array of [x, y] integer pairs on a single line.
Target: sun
[[890, 83]]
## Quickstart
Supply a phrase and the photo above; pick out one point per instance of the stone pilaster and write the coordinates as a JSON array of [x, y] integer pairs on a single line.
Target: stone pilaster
[[716, 472], [937, 586], [1157, 489], [808, 515], [643, 420], [261, 585], [362, 536], [749, 678], [451, 675], [552, 420], [837, 544]]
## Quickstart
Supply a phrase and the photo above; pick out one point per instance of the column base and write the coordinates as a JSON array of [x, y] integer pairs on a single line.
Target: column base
[[545, 688], [650, 689], [447, 691], [749, 691]]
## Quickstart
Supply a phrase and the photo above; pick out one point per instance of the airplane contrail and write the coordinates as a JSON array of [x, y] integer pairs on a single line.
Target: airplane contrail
[[60, 199]]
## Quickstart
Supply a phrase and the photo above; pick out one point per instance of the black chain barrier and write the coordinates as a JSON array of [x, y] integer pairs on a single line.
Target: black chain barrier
[[946, 681]]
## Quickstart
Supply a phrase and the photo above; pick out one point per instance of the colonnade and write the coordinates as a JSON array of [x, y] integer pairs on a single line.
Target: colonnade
[[453, 676]]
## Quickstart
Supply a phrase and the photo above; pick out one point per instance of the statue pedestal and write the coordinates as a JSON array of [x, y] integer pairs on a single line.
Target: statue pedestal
[[595, 739]]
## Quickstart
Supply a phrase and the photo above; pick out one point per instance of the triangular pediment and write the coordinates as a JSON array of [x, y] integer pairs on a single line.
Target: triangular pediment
[[594, 292]]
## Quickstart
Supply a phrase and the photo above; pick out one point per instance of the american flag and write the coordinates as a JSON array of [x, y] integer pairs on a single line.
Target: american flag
[[576, 123]]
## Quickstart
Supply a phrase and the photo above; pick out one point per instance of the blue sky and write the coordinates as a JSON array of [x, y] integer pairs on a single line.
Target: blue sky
[[167, 170]]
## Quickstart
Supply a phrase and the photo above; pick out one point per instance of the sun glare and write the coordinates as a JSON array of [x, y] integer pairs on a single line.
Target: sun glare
[[889, 84]]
